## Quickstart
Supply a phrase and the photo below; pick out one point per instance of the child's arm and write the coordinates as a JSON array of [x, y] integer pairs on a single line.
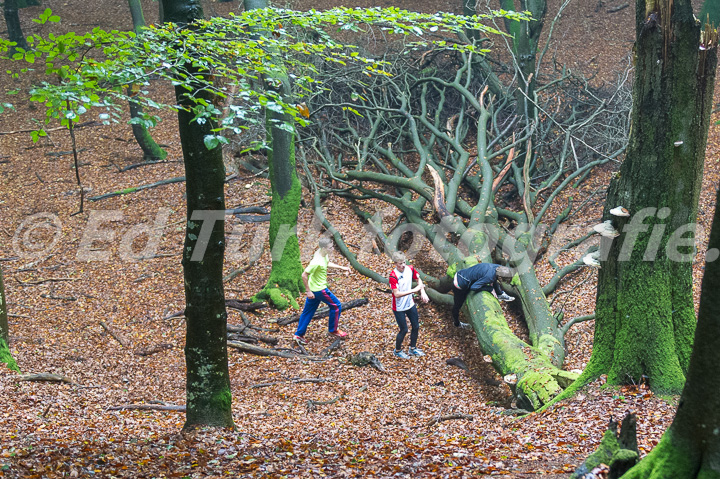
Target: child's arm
[[305, 280], [421, 287], [337, 266], [399, 294]]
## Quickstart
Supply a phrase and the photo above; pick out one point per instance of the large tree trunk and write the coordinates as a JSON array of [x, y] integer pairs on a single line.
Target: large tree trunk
[[12, 19], [208, 382], [151, 150], [690, 448], [645, 315], [285, 282], [5, 356]]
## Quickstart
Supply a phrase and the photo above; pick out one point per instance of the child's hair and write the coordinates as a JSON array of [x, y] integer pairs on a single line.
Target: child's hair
[[504, 272], [324, 243], [398, 257]]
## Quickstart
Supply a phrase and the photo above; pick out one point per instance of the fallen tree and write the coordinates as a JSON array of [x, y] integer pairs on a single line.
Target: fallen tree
[[432, 139]]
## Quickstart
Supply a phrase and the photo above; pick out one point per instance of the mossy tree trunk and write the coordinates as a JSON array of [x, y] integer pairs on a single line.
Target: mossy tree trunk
[[525, 38], [690, 448], [645, 316], [5, 356], [12, 20], [208, 381], [151, 150], [285, 282]]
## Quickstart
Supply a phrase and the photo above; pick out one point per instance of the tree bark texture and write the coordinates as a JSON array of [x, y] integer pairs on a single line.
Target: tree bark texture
[[12, 20], [285, 282], [208, 382], [645, 316], [690, 448]]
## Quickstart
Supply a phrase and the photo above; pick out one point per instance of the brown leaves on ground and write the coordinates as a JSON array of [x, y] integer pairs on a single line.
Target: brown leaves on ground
[[379, 425]]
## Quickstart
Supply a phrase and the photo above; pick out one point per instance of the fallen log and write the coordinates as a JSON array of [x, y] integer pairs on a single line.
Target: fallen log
[[147, 407], [311, 403], [323, 311], [230, 303], [239, 305], [293, 381], [538, 379], [259, 351], [54, 378], [449, 417], [334, 346], [135, 189]]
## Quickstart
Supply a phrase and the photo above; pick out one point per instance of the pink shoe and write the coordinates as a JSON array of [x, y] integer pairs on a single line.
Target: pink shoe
[[299, 339], [338, 334]]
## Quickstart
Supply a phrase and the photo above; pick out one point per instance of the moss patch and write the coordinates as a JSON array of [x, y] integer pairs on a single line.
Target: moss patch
[[6, 358]]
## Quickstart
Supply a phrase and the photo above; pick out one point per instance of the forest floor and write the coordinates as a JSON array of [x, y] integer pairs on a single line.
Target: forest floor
[[379, 425]]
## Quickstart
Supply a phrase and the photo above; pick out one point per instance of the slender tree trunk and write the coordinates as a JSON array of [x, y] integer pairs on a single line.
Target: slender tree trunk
[[151, 150], [690, 448], [645, 316], [285, 282], [5, 356], [525, 38], [12, 19], [208, 382]]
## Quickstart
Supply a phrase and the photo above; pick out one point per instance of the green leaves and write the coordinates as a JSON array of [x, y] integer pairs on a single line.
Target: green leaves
[[213, 141], [46, 16], [92, 71]]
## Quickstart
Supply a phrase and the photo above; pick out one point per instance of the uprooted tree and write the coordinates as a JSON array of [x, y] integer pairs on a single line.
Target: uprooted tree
[[207, 61], [432, 137]]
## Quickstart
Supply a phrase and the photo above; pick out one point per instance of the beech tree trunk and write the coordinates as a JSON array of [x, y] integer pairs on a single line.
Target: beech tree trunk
[[524, 46], [5, 356], [645, 316], [690, 448], [12, 20], [285, 282], [208, 381], [151, 150]]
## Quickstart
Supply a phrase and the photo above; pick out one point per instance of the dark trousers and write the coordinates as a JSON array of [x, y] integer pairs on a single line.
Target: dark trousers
[[412, 314], [460, 295]]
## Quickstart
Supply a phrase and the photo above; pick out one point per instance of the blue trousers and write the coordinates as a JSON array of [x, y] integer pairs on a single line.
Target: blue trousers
[[311, 306]]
